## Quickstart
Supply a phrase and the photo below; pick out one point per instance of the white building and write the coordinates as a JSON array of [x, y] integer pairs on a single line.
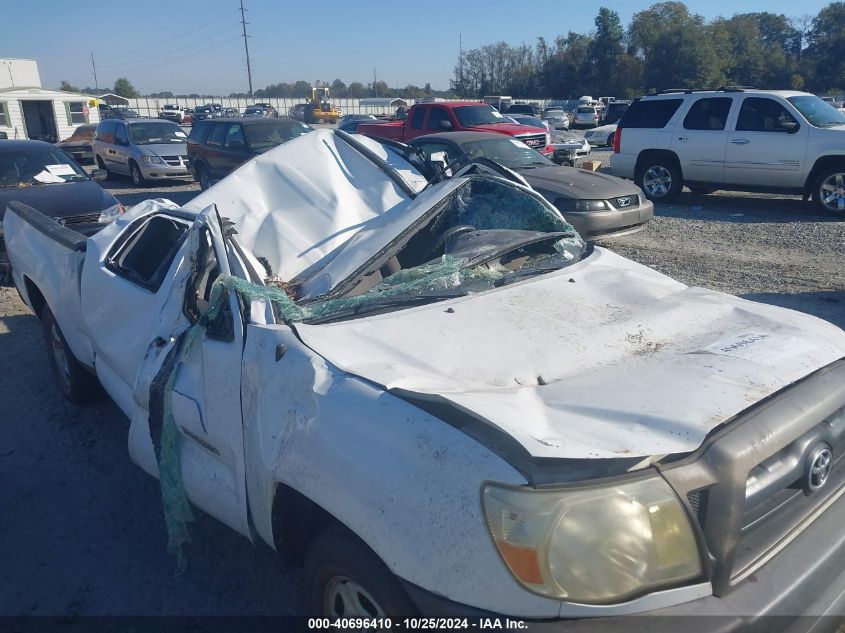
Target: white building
[[29, 111]]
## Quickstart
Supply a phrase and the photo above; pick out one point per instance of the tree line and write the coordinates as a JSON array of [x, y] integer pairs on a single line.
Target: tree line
[[666, 46]]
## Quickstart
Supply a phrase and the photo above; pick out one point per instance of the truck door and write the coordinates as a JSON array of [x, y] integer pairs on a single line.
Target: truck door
[[145, 303], [414, 123], [699, 141], [767, 147]]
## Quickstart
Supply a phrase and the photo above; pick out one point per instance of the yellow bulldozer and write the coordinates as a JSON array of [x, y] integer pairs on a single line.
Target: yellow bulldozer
[[319, 109]]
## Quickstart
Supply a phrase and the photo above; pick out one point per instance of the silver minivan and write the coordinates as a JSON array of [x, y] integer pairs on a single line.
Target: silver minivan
[[145, 149]]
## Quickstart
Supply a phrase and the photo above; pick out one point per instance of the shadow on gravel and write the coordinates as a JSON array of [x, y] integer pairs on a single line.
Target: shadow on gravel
[[129, 195], [744, 209], [829, 306], [82, 529]]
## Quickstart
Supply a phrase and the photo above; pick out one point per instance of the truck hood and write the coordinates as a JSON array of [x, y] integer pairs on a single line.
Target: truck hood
[[603, 359], [298, 202], [511, 129], [580, 184]]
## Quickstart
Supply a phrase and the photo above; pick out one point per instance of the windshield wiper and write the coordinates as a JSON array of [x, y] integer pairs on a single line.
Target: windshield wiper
[[383, 303]]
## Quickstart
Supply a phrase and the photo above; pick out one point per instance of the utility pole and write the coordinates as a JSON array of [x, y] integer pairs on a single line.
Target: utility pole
[[94, 66], [246, 48], [375, 90], [461, 60]]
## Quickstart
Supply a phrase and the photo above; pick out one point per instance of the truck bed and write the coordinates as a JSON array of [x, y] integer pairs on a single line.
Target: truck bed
[[394, 131], [46, 259]]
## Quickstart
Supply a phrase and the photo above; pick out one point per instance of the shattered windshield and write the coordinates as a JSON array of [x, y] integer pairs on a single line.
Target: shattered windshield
[[485, 234]]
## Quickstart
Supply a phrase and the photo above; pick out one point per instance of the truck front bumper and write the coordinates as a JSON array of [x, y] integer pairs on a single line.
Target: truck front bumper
[[800, 589]]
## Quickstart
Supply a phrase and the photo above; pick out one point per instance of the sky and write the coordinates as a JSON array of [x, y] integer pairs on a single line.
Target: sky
[[200, 48]]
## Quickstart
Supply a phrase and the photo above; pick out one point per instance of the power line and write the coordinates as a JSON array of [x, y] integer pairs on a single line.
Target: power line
[[196, 28], [195, 53], [246, 47], [130, 66]]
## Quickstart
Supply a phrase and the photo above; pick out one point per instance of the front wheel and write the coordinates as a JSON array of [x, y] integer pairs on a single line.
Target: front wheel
[[135, 173], [75, 382], [829, 190], [660, 179], [101, 164], [610, 139], [344, 578]]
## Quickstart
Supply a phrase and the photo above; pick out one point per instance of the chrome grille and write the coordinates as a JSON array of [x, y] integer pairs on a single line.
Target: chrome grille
[[174, 161], [626, 202], [533, 140], [755, 505], [85, 218]]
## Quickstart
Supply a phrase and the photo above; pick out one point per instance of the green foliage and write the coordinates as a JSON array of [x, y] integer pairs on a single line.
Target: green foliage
[[67, 87], [665, 46], [124, 88]]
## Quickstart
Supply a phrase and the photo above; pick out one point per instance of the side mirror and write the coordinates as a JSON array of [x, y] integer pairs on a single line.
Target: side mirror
[[236, 145], [446, 125], [99, 174], [790, 127]]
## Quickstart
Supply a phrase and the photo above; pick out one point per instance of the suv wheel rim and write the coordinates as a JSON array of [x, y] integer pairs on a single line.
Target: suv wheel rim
[[136, 175], [832, 192], [347, 598], [57, 347], [657, 181]]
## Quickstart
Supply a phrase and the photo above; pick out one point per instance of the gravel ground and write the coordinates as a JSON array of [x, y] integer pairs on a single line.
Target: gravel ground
[[81, 531]]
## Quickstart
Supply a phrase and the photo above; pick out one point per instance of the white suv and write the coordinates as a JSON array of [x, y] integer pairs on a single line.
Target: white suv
[[734, 138]]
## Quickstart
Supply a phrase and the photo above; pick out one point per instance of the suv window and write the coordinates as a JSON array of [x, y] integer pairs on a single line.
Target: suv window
[[120, 136], [760, 114], [436, 116], [198, 132], [218, 135], [652, 114], [235, 133], [144, 257], [708, 114], [105, 131], [417, 120]]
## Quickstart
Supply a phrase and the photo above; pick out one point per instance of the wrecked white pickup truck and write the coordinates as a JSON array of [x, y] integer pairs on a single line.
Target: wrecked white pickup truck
[[445, 401]]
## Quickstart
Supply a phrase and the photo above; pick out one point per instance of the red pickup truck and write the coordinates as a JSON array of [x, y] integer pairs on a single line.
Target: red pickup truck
[[457, 116]]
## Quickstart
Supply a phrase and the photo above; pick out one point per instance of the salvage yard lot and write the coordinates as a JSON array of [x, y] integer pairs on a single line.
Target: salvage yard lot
[[83, 531]]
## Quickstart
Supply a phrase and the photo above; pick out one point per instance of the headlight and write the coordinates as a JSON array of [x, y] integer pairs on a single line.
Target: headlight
[[153, 160], [111, 214], [568, 205], [594, 544]]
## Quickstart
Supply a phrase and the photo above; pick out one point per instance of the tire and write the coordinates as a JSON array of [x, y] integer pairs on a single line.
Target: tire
[[660, 179], [101, 164], [701, 190], [74, 381], [136, 175], [610, 139], [829, 190], [202, 177], [345, 578]]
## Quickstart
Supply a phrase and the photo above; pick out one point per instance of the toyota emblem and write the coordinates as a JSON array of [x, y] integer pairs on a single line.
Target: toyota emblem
[[819, 464]]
